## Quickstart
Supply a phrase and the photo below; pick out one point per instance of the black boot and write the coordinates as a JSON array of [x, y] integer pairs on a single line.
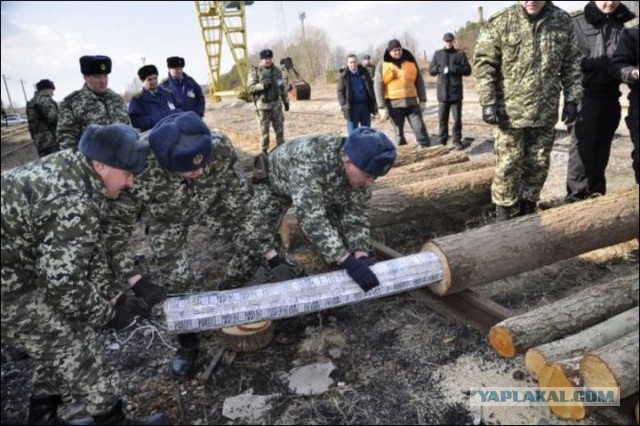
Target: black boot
[[503, 213], [184, 362], [116, 416], [44, 410], [527, 207]]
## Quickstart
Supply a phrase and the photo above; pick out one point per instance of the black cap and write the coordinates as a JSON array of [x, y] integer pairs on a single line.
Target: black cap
[[366, 57], [45, 84], [393, 44], [95, 65], [146, 71], [266, 53], [448, 37], [175, 62]]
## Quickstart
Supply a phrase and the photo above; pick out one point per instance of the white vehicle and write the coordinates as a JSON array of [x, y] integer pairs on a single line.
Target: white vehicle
[[13, 119]]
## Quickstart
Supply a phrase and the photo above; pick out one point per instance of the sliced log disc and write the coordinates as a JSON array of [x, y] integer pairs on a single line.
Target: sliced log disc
[[247, 337], [564, 374], [580, 343], [614, 365], [563, 317]]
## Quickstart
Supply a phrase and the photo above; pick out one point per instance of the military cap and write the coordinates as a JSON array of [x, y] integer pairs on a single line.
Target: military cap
[[95, 65], [116, 145], [393, 44], [146, 71], [181, 142], [45, 84], [448, 37], [370, 150], [175, 62], [266, 53]]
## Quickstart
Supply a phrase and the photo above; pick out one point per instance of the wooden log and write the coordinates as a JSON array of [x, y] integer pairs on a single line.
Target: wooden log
[[430, 163], [454, 197], [614, 365], [434, 170], [565, 316], [509, 248], [580, 343], [564, 374], [247, 337], [408, 154]]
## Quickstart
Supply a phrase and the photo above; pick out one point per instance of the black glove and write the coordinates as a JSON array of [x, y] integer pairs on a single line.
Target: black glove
[[489, 114], [569, 113], [123, 316], [266, 85], [358, 270], [283, 271], [137, 306], [286, 106], [151, 293]]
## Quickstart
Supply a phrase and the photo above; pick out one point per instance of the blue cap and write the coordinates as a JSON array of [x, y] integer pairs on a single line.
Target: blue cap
[[116, 145], [95, 65], [266, 53], [181, 142], [370, 150]]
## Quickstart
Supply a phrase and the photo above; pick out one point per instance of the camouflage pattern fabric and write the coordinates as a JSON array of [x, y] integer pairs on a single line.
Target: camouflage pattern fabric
[[51, 214], [169, 204], [520, 65], [84, 107], [308, 173], [42, 113], [522, 164], [268, 102]]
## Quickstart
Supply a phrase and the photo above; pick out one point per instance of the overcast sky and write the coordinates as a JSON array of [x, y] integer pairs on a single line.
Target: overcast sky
[[45, 39]]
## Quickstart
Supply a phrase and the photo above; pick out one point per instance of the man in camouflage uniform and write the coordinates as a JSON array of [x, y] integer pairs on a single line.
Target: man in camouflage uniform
[[93, 104], [326, 179], [53, 270], [42, 113], [524, 56], [191, 178], [269, 94]]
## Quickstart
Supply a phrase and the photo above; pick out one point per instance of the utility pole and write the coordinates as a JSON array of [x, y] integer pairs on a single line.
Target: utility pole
[[144, 60], [24, 92], [8, 94], [301, 16]]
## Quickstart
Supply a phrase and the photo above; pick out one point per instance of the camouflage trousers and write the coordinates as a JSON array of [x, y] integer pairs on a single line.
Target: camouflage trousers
[[259, 232], [267, 117], [64, 349], [522, 163]]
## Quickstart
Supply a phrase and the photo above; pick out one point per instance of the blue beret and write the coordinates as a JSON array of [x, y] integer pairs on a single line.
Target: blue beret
[[95, 65], [45, 84], [370, 150], [181, 142], [175, 62], [116, 145], [266, 53]]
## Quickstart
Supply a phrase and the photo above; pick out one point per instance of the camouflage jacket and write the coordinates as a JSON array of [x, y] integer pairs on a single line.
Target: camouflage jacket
[[159, 195], [51, 215], [277, 88], [520, 65], [84, 107], [310, 171], [42, 113]]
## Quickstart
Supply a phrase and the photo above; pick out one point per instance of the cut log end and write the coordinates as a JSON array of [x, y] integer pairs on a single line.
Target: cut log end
[[552, 376], [442, 287], [502, 342], [247, 337], [534, 361], [596, 373]]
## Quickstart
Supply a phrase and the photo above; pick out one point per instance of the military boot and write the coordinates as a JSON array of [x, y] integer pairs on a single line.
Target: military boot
[[44, 410], [116, 416], [503, 213], [183, 364], [527, 207]]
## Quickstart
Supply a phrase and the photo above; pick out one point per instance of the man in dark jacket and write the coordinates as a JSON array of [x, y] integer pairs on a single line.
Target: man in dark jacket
[[624, 67], [598, 29], [186, 91], [355, 94], [152, 103], [450, 65]]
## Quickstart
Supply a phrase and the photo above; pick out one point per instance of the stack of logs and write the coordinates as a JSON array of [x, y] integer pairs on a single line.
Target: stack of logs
[[424, 184], [587, 340]]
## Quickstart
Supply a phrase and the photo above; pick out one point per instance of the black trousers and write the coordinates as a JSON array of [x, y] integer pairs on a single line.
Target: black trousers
[[443, 113], [633, 123], [591, 145]]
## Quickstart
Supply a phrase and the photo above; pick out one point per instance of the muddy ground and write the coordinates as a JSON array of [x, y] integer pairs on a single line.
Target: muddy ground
[[396, 362]]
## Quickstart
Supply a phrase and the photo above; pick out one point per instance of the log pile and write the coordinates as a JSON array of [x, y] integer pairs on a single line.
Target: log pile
[[587, 340]]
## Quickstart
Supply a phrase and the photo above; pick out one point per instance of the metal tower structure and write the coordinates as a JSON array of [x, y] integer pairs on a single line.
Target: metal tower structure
[[226, 19]]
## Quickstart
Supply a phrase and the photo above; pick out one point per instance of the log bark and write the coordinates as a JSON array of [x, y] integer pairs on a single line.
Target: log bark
[[446, 165], [409, 154], [614, 365], [580, 343], [558, 319], [430, 163], [564, 374], [452, 197], [508, 248]]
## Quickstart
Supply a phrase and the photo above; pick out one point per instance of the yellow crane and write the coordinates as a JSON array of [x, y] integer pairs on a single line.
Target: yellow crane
[[226, 19]]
